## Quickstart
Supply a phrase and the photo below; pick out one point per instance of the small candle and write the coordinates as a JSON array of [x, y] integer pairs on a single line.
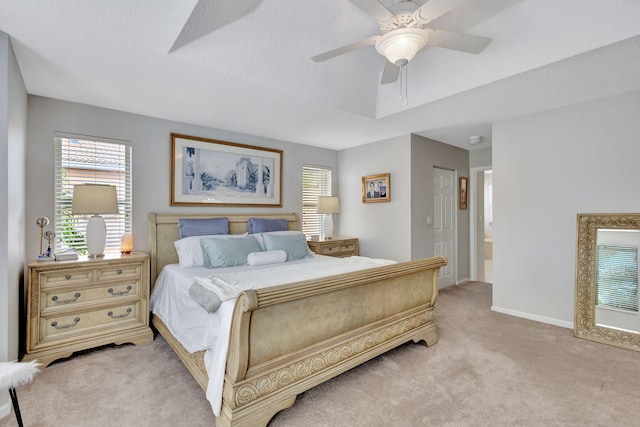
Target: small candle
[[126, 243]]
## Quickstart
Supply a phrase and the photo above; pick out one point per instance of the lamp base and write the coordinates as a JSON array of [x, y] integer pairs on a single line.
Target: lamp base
[[327, 226], [96, 236]]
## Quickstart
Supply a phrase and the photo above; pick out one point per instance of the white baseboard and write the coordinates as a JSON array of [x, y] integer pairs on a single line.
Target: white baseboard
[[463, 281], [5, 409], [535, 317]]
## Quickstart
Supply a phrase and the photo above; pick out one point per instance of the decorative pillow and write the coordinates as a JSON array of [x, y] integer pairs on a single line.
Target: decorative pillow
[[190, 252], [264, 225], [221, 252], [295, 245], [202, 227], [279, 233], [266, 257]]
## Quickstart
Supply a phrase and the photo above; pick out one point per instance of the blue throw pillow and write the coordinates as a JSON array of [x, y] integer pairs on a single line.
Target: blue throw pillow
[[228, 252], [264, 225], [202, 227], [295, 245]]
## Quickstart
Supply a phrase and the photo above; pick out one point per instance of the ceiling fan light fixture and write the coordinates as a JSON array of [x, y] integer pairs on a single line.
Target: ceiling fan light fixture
[[401, 45]]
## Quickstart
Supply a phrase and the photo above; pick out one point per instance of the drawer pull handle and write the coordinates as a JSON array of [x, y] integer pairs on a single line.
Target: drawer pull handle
[[115, 294], [65, 301], [118, 316], [70, 325], [119, 271], [68, 276]]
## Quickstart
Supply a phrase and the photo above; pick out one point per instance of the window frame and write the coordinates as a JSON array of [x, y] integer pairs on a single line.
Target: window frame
[[322, 177], [112, 164]]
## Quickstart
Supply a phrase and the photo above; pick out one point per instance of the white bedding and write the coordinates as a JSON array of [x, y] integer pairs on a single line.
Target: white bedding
[[196, 329]]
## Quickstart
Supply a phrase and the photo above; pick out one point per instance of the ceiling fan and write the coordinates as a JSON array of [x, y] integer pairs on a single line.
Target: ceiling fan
[[405, 28]]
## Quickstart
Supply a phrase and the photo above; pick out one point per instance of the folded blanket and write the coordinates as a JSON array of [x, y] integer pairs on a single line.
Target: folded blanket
[[266, 257], [209, 300], [207, 291]]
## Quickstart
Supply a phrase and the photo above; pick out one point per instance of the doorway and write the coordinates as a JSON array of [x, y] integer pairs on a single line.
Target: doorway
[[481, 226], [444, 230]]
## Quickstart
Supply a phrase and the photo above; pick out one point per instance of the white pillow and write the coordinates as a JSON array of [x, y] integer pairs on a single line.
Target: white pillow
[[266, 257], [284, 232], [190, 251]]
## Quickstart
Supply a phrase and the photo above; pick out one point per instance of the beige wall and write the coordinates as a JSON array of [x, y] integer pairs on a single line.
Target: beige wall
[[151, 146], [383, 228], [547, 168], [13, 130], [425, 155], [398, 230]]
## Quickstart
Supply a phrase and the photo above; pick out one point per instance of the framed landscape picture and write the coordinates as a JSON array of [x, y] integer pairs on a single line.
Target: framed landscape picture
[[376, 188], [206, 172]]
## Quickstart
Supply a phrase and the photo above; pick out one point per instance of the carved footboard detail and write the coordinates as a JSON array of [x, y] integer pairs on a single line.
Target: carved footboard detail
[[263, 385], [367, 313]]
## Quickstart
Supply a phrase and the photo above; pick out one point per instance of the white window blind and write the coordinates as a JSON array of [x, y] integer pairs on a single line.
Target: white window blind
[[83, 159], [316, 181], [617, 277]]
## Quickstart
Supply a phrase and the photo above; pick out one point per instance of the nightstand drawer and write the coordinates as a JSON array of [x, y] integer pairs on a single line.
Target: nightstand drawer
[[118, 272], [65, 277], [338, 248], [60, 298], [60, 326]]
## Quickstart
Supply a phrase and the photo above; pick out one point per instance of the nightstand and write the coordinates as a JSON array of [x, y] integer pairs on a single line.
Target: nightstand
[[77, 305], [336, 246]]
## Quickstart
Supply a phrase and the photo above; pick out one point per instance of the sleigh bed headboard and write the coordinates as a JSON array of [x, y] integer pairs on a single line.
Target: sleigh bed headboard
[[163, 231]]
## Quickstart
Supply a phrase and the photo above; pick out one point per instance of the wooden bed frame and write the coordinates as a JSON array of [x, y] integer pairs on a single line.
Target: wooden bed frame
[[287, 339]]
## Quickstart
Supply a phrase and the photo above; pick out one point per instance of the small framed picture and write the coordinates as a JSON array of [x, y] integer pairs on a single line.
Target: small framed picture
[[464, 186], [376, 188]]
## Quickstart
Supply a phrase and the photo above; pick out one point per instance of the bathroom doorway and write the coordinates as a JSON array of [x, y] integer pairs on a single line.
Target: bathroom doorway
[[481, 227]]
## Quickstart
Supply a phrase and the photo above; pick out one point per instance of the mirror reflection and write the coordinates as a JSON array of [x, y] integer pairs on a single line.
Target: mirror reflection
[[616, 303]]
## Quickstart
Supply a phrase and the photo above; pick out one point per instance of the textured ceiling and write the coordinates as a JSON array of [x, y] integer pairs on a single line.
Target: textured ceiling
[[254, 75]]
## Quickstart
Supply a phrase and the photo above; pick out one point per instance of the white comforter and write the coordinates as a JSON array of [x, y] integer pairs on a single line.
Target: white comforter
[[196, 329]]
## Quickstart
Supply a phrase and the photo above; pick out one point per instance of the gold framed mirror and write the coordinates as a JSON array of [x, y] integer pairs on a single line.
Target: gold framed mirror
[[606, 297]]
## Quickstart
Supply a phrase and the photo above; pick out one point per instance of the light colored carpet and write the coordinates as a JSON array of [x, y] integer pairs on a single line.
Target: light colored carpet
[[488, 369]]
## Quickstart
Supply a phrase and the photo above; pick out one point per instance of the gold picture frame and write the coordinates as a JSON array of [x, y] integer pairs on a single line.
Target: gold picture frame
[[207, 172], [464, 192], [376, 188]]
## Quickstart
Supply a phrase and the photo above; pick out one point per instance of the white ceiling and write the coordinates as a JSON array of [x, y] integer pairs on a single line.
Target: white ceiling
[[254, 75]]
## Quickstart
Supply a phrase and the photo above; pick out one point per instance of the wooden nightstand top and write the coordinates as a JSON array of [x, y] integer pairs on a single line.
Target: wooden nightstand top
[[84, 258], [333, 239]]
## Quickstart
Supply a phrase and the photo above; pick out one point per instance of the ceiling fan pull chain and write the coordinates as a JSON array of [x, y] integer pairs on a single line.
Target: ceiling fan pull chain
[[406, 84], [403, 85]]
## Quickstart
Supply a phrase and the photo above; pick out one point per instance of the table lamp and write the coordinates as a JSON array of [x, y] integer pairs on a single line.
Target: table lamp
[[95, 199], [328, 205]]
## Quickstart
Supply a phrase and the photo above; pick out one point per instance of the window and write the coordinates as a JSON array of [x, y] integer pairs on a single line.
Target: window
[[316, 181], [84, 159]]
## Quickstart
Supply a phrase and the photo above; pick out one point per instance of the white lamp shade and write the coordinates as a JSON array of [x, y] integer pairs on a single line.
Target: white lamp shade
[[328, 205], [94, 199], [401, 45]]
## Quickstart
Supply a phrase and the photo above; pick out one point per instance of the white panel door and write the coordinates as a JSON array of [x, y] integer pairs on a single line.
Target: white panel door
[[444, 232]]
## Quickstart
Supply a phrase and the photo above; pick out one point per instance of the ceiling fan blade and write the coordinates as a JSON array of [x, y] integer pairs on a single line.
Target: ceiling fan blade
[[433, 9], [374, 9], [458, 41], [210, 15], [390, 73], [345, 49]]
